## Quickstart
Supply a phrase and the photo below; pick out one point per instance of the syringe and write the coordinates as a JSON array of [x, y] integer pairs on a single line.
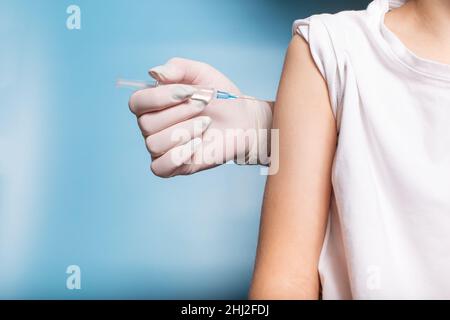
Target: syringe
[[203, 93]]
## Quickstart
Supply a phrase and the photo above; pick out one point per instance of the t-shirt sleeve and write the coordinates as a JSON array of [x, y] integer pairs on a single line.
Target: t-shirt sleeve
[[326, 54]]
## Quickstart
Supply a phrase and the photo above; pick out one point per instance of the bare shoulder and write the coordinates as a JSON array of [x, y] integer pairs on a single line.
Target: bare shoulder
[[299, 53], [301, 76], [300, 59]]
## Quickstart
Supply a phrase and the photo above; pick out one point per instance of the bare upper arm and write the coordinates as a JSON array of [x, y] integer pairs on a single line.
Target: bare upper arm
[[296, 200]]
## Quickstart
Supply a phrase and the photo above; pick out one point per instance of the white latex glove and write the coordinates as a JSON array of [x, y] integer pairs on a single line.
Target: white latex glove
[[165, 111]]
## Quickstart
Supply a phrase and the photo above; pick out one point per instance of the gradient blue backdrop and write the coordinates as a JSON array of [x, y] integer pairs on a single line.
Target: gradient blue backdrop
[[75, 184]]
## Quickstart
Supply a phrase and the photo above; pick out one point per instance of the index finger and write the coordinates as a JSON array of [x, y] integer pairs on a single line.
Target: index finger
[[158, 98]]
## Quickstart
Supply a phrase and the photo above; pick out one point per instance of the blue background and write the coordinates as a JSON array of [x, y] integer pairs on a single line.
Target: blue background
[[75, 184]]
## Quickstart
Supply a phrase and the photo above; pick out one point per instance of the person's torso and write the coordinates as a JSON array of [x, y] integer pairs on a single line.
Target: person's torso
[[389, 229]]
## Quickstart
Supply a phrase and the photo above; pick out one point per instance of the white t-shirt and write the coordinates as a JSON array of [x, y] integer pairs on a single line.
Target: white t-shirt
[[388, 234]]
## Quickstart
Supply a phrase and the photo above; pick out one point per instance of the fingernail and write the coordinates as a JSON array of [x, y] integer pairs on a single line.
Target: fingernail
[[182, 92], [164, 73], [157, 72]]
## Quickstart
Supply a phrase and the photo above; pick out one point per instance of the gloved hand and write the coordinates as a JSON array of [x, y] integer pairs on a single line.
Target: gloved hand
[[185, 135]]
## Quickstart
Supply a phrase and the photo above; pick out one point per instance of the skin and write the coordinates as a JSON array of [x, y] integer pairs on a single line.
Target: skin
[[424, 27], [297, 199]]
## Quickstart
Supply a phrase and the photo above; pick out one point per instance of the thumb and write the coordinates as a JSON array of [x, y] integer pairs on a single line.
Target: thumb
[[178, 70]]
